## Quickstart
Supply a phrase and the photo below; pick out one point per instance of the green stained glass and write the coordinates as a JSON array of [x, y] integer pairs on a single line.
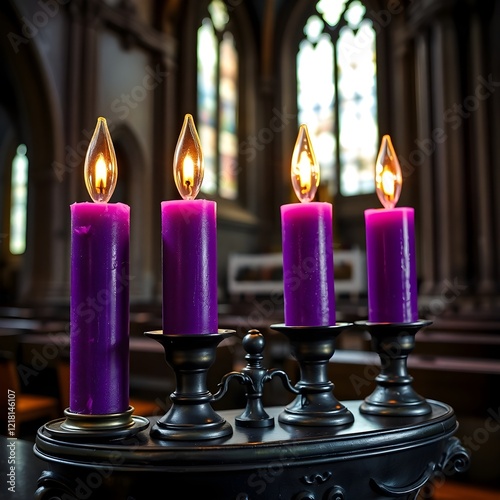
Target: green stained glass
[[228, 140], [316, 96], [355, 14], [217, 120], [218, 13], [337, 94], [358, 110], [331, 10], [207, 104], [19, 201], [314, 28]]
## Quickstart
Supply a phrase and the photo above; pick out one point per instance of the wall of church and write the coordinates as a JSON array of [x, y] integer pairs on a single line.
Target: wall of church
[[66, 63]]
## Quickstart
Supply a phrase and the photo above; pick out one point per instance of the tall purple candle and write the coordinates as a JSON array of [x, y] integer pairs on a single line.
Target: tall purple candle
[[307, 245], [189, 266], [99, 304], [309, 293], [390, 247], [390, 260], [189, 245]]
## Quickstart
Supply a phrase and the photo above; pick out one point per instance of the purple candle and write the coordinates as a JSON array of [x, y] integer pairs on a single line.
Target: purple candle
[[307, 244], [189, 266], [189, 247], [390, 247], [99, 305]]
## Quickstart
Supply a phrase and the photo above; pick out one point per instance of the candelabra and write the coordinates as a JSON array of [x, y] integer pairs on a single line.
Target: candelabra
[[322, 448]]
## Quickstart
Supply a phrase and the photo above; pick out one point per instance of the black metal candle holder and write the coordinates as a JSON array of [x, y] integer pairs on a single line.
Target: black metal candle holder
[[191, 416], [316, 405], [253, 376], [394, 394]]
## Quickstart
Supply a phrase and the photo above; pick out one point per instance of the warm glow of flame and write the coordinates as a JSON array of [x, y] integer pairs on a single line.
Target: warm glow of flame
[[100, 169], [305, 168], [188, 161], [388, 178], [188, 172], [100, 174]]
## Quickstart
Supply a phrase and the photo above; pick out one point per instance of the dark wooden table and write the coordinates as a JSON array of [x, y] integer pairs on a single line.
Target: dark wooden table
[[374, 458]]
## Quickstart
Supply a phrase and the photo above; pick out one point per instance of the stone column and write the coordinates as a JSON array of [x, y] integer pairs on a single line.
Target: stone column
[[476, 105], [426, 248]]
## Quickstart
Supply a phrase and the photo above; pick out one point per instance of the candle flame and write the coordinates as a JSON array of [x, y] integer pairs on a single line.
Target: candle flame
[[305, 168], [188, 161], [388, 178], [100, 174], [100, 168]]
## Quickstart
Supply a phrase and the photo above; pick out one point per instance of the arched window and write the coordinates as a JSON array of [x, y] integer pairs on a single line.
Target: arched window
[[18, 201], [217, 86], [337, 94]]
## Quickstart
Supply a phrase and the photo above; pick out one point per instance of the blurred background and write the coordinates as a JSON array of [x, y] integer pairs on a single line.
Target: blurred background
[[250, 72]]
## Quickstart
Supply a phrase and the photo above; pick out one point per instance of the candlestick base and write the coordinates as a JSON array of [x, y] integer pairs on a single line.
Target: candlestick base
[[191, 416], [394, 394], [316, 405], [253, 377], [109, 426]]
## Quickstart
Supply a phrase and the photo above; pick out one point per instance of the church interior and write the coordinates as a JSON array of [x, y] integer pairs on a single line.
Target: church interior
[[250, 73]]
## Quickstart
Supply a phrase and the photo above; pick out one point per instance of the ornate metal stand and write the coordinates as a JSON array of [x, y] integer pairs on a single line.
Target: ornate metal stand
[[316, 404], [254, 376], [191, 416], [394, 394], [366, 456]]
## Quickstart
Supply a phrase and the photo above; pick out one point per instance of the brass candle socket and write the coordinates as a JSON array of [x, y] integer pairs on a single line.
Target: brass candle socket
[[111, 426]]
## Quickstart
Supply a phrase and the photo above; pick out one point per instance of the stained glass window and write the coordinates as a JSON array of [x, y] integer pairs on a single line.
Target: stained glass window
[[218, 102], [19, 201], [337, 94]]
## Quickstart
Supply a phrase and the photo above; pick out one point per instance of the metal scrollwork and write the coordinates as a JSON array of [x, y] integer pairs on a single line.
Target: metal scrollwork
[[317, 478], [335, 493], [454, 459], [52, 486]]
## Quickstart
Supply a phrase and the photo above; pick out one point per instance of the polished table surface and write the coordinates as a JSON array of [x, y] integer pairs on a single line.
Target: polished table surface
[[373, 458]]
